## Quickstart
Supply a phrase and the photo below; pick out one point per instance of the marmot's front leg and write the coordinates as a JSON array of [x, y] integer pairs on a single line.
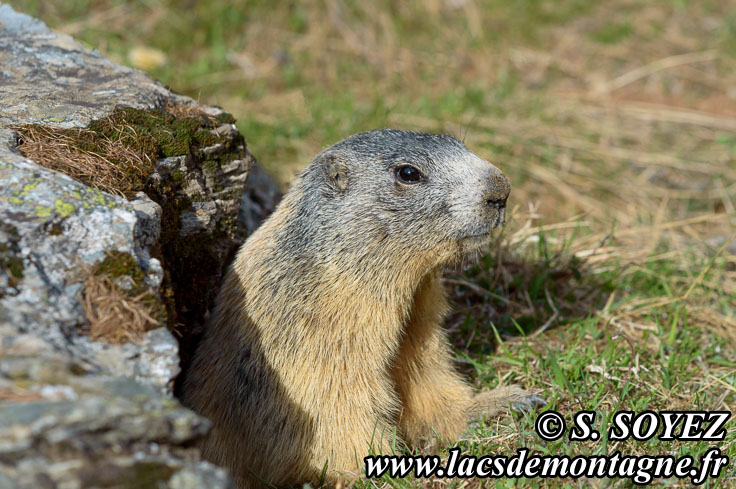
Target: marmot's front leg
[[436, 400]]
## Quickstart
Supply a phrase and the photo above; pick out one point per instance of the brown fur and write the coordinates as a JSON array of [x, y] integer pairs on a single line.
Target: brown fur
[[308, 362]]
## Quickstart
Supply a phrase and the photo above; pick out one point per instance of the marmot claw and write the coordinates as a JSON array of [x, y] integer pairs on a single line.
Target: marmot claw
[[528, 403]]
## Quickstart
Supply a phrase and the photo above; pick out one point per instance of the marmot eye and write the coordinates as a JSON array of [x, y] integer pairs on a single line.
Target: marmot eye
[[408, 174]]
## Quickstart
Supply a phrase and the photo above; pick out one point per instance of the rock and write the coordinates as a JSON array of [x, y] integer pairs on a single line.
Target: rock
[[62, 429], [49, 77], [103, 432], [96, 272], [56, 229]]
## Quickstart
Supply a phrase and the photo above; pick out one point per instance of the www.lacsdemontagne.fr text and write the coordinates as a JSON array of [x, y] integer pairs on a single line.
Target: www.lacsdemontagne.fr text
[[639, 469]]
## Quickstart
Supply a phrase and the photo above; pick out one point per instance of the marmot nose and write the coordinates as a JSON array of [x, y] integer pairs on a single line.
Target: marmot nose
[[498, 191]]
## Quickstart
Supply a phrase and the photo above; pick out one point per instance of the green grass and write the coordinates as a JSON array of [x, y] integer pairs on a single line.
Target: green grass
[[622, 164], [613, 33], [670, 356]]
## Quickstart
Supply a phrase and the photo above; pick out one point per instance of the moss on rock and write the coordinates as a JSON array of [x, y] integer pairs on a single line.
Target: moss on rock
[[225, 118], [116, 313], [118, 153], [154, 132], [119, 264]]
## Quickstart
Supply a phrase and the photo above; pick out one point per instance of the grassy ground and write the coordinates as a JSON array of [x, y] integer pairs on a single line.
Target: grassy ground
[[613, 286]]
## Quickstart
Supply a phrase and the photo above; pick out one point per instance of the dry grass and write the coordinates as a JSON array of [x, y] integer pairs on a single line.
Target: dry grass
[[113, 166], [117, 153], [113, 315], [180, 111]]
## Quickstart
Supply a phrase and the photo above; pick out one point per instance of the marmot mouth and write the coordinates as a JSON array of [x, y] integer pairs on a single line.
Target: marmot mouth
[[480, 238], [474, 243]]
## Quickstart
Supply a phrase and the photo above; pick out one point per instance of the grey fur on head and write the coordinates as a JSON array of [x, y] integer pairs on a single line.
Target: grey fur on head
[[460, 197]]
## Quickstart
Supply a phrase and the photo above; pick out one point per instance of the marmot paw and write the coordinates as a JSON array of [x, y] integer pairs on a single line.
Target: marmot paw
[[491, 403]]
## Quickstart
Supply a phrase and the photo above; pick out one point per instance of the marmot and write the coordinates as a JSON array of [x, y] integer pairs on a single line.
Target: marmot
[[326, 335]]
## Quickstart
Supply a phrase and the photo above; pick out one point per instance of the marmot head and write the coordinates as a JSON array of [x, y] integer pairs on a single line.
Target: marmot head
[[404, 193]]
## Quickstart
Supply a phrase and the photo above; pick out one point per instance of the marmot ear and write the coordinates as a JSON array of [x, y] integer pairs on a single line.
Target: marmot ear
[[335, 171]]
